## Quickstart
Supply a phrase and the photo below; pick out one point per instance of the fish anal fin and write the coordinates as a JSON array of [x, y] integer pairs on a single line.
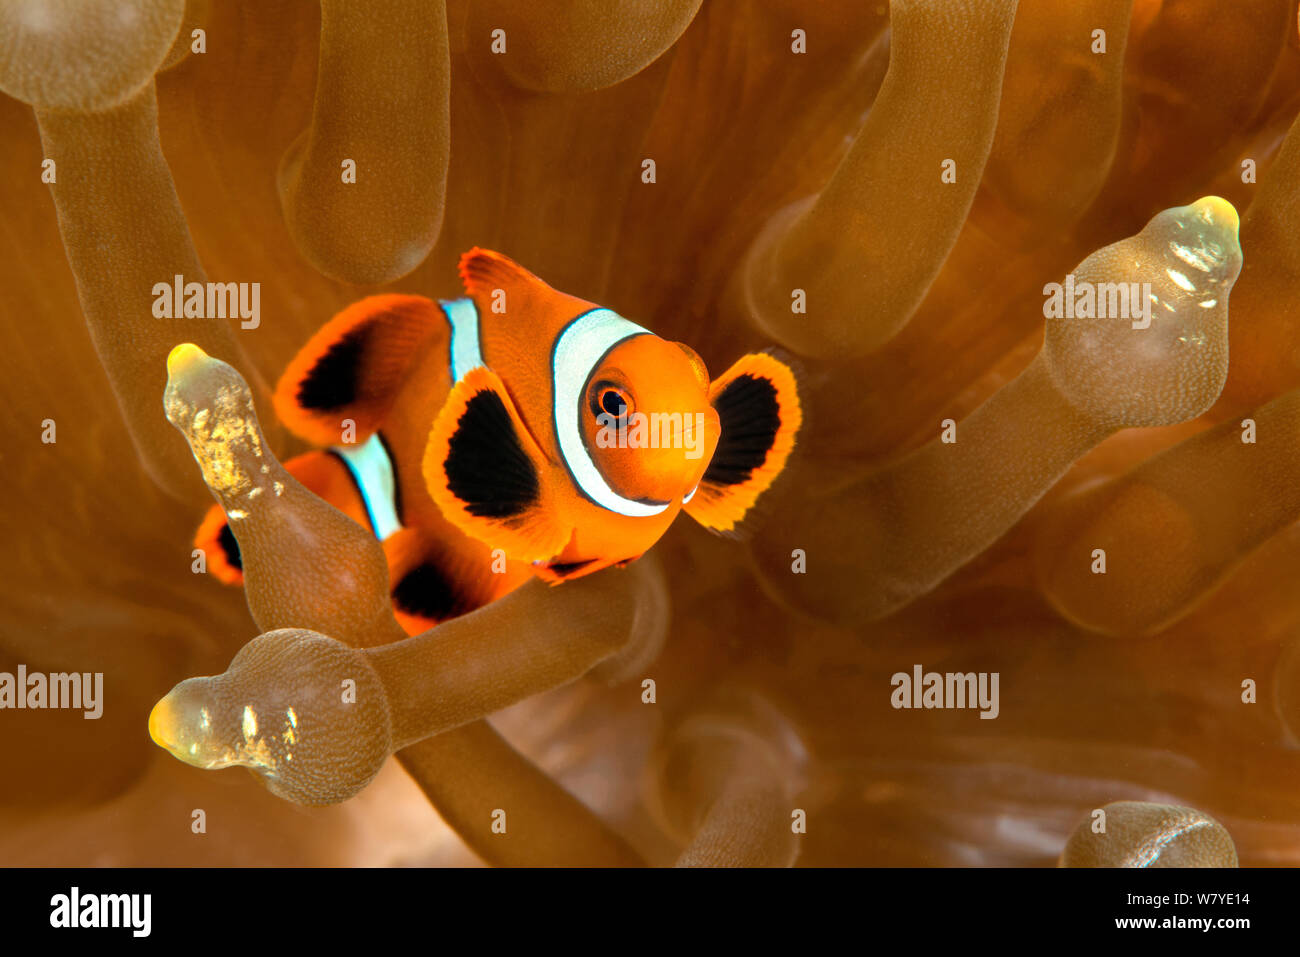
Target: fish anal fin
[[487, 474], [757, 401], [439, 574]]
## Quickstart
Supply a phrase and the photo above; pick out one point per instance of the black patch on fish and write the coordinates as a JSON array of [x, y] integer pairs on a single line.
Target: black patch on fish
[[226, 539], [486, 465], [428, 592], [750, 418], [332, 382], [565, 569]]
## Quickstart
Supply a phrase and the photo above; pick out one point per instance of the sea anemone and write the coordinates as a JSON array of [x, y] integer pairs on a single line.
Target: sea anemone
[[1098, 511]]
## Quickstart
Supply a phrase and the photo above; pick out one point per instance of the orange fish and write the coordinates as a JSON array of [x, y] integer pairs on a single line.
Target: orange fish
[[519, 431]]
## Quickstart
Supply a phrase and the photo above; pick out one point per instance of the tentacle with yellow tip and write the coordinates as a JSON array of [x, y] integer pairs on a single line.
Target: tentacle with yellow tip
[[931, 512], [312, 573], [397, 694], [99, 127]]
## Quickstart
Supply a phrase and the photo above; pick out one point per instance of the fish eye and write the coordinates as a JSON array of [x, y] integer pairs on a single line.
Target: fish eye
[[607, 398]]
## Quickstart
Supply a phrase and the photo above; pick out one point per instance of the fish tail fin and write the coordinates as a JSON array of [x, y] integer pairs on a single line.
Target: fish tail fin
[[354, 365], [220, 550], [321, 472], [757, 401]]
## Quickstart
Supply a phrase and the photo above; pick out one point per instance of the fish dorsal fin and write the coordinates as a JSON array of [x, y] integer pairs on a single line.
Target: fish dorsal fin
[[487, 474], [354, 365], [520, 313], [757, 401], [483, 271]]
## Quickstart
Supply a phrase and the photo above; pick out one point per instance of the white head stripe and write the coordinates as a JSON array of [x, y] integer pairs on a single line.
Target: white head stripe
[[372, 470], [691, 494], [465, 351], [581, 345]]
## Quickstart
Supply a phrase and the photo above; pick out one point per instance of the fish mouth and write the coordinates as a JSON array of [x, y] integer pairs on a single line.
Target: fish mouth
[[578, 567], [564, 569]]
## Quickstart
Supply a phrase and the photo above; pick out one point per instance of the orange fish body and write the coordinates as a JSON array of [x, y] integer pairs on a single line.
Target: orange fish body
[[519, 431]]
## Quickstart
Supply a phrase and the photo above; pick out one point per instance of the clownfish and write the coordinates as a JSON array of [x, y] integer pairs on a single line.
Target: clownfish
[[517, 432]]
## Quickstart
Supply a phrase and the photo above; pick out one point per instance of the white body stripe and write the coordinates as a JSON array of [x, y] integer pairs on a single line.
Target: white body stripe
[[372, 470], [466, 352], [580, 346]]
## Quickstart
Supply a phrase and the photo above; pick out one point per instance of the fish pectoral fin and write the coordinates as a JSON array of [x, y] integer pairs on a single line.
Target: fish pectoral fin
[[488, 476], [757, 401], [354, 365]]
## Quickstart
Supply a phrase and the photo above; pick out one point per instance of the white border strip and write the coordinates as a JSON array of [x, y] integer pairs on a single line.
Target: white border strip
[[466, 353], [581, 345], [372, 470]]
